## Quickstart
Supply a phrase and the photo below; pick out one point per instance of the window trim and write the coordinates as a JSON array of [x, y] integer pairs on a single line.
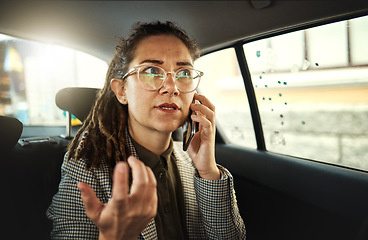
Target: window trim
[[252, 100]]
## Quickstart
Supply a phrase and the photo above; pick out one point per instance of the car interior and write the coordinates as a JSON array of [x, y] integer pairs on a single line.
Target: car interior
[[289, 80]]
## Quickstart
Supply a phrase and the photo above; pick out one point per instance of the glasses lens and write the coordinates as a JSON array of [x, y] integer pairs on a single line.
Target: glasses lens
[[151, 77], [187, 79]]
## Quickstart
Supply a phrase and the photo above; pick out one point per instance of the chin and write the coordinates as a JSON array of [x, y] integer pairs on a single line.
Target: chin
[[168, 127]]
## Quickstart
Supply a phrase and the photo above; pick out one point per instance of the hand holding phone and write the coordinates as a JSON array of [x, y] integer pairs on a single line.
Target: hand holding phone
[[202, 150]]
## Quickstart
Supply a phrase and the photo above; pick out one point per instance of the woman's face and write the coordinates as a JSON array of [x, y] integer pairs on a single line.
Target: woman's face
[[165, 109]]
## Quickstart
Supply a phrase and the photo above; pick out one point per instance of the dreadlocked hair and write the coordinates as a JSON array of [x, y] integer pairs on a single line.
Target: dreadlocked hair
[[102, 137]]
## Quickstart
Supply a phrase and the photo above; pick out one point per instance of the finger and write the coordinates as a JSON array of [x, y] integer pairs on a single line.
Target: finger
[[205, 101], [204, 111], [139, 175], [206, 108], [90, 201], [204, 123], [153, 199], [120, 186], [151, 177]]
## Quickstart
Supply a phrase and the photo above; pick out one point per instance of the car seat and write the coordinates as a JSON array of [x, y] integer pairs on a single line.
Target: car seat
[[10, 132], [76, 101], [29, 176]]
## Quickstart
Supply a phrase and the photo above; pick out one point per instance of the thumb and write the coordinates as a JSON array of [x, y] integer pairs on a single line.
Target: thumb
[[91, 203]]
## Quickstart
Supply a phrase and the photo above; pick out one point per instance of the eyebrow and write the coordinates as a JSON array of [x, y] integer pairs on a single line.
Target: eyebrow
[[184, 64], [152, 61], [159, 62]]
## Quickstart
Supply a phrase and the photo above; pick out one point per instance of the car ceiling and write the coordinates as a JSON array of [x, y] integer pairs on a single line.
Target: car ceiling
[[92, 26]]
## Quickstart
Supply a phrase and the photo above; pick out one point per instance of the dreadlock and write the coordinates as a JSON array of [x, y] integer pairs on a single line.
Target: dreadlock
[[102, 136]]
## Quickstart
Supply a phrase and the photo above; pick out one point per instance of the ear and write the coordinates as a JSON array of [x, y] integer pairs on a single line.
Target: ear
[[118, 87]]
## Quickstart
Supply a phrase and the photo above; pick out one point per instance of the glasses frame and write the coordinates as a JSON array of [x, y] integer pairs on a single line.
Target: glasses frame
[[136, 69]]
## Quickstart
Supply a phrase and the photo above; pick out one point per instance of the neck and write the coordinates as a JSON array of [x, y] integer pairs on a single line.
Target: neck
[[153, 140]]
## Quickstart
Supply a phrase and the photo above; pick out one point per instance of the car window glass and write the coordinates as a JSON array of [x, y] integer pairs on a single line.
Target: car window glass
[[312, 91], [31, 73], [223, 85]]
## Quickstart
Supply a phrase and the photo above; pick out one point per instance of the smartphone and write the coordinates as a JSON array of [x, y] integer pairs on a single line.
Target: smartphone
[[190, 128]]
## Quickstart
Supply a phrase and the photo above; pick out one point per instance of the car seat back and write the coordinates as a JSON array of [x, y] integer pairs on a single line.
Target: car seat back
[[10, 131]]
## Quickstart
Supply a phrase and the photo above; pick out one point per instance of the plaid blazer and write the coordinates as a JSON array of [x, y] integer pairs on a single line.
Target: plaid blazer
[[211, 208]]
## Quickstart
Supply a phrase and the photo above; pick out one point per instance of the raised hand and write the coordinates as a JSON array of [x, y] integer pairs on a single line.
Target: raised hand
[[127, 213]]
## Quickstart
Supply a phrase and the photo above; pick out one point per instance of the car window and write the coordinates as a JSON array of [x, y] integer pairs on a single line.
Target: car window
[[312, 92], [223, 85], [31, 73]]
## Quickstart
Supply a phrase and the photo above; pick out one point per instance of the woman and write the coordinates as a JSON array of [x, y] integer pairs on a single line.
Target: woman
[[123, 176]]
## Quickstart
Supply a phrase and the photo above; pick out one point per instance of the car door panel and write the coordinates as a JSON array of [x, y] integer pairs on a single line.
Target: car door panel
[[282, 197]]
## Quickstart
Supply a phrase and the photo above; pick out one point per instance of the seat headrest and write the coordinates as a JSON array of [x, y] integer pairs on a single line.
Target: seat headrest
[[10, 132], [77, 100]]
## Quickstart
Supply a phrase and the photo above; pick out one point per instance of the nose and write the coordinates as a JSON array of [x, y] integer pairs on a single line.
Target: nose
[[169, 86]]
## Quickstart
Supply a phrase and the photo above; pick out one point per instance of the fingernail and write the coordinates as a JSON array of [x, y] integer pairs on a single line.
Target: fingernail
[[131, 158], [120, 168]]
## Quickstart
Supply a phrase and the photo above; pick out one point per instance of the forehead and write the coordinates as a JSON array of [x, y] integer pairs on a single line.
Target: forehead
[[164, 48]]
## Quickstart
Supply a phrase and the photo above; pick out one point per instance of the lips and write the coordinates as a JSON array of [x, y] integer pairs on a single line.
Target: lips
[[168, 107]]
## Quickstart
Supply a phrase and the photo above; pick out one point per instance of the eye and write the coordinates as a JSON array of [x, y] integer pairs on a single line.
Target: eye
[[184, 73], [151, 70]]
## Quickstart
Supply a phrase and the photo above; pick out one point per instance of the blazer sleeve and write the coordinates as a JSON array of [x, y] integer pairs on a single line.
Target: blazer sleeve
[[67, 210], [218, 206]]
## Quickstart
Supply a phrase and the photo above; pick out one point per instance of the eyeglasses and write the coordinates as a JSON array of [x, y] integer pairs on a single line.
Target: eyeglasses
[[153, 77]]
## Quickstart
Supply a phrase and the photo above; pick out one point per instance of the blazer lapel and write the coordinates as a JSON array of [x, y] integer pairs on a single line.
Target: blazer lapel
[[150, 231]]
